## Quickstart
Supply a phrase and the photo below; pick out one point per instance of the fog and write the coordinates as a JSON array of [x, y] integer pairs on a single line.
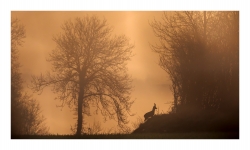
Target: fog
[[151, 83]]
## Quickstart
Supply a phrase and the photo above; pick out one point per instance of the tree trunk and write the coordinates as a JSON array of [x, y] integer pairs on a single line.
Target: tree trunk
[[79, 111]]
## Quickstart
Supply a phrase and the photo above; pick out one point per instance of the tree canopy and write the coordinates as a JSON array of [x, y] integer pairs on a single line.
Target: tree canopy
[[89, 69], [200, 52]]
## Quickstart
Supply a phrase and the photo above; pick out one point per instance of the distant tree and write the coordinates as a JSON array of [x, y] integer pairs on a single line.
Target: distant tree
[[17, 36], [200, 52], [25, 111], [89, 67], [27, 118]]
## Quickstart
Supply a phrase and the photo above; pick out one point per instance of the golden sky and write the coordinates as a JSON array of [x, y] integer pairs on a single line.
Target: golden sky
[[151, 83]]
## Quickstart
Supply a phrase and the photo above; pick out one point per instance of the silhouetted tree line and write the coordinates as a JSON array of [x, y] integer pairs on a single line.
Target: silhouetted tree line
[[25, 111], [200, 52]]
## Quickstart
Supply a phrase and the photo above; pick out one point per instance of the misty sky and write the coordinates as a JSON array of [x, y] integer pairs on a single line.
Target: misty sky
[[151, 83]]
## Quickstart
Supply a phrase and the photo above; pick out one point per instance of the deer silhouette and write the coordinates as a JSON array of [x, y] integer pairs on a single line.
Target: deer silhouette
[[151, 113]]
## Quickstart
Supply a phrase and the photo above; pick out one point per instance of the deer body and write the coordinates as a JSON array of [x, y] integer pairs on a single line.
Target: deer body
[[150, 114]]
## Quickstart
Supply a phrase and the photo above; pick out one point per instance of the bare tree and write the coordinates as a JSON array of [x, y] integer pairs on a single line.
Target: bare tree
[[200, 52], [89, 67], [33, 123], [17, 36], [25, 112]]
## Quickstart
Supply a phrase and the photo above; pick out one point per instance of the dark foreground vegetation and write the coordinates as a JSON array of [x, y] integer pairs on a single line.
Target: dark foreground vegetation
[[187, 135], [202, 125], [176, 123]]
